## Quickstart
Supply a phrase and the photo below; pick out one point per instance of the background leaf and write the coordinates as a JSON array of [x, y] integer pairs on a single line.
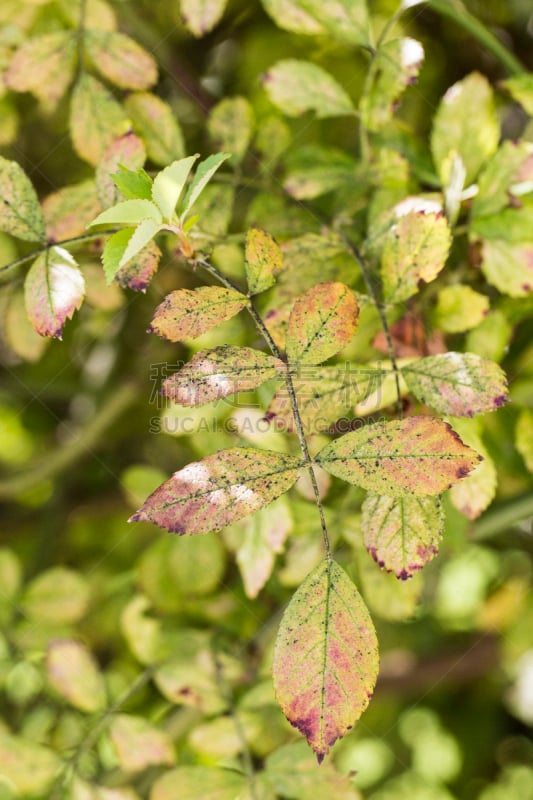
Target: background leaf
[[21, 215], [189, 313], [128, 151], [139, 744], [263, 536], [299, 86], [44, 65], [204, 172], [96, 119], [154, 121], [74, 674], [54, 288], [230, 126], [211, 783], [263, 260], [68, 211], [475, 493], [121, 60], [201, 16]]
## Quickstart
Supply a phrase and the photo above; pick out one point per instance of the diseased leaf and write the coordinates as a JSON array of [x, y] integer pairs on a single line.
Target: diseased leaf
[[326, 657], [96, 119], [201, 16], [414, 250], [20, 214], [222, 488], [120, 59], [508, 266], [230, 126], [137, 273], [476, 492], [217, 373], [191, 783], [154, 121], [126, 151], [189, 313], [395, 67], [139, 744], [520, 87], [263, 536], [74, 674], [459, 308], [129, 212], [322, 322], [417, 455], [54, 288], [68, 211], [460, 384], [44, 65], [402, 534], [28, 767], [299, 86], [263, 260], [168, 184], [205, 171]]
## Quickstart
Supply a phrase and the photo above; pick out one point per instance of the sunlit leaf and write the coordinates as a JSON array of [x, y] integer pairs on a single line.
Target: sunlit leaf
[[140, 238], [210, 494], [168, 185], [129, 212], [230, 126], [460, 384], [263, 260], [189, 313], [201, 16], [263, 536], [155, 122], [114, 250], [126, 151], [133, 184], [54, 288], [29, 767], [120, 59], [139, 270], [20, 212], [299, 86], [44, 65], [205, 171], [96, 119], [73, 673], [225, 370], [139, 744], [326, 657], [209, 783], [520, 87], [402, 534], [322, 322], [68, 211], [58, 595], [417, 455], [508, 266]]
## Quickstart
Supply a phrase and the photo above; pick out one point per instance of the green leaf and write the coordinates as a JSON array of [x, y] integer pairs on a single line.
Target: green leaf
[[20, 335], [520, 87], [201, 16], [419, 455], [141, 237], [395, 67], [263, 536], [30, 768], [524, 436], [54, 288], [459, 308], [133, 185], [326, 657], [346, 20], [495, 182], [402, 534], [466, 125], [56, 596], [19, 206], [154, 121], [129, 212], [189, 313], [415, 249], [322, 322], [191, 783], [291, 16], [314, 170], [44, 65], [96, 119], [128, 155], [476, 492], [120, 59], [68, 211], [299, 86], [230, 126], [73, 673], [114, 250], [139, 270], [210, 494], [263, 260], [509, 225], [205, 171], [508, 266], [139, 744], [168, 185], [459, 384], [217, 373]]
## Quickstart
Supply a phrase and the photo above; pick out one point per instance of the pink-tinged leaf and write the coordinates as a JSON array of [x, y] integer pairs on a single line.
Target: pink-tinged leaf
[[296, 86], [189, 313], [207, 783], [322, 322], [508, 266], [74, 674], [473, 495], [402, 534], [263, 536], [201, 16], [326, 658], [154, 121], [44, 66], [209, 494], [419, 455], [121, 60], [139, 744], [96, 119], [415, 250], [68, 211], [128, 151], [54, 289], [459, 384], [20, 213], [139, 270], [264, 260], [225, 370]]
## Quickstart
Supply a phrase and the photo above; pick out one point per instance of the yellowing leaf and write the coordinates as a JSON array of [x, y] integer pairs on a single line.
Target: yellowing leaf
[[346, 20], [322, 322], [155, 123], [139, 744], [299, 86], [475, 493], [326, 657], [291, 16], [96, 119], [264, 535], [217, 373], [402, 534], [210, 494], [68, 211], [189, 313], [127, 151], [29, 767], [74, 674], [417, 455], [21, 337], [414, 250], [44, 66], [263, 260], [20, 214], [56, 596], [191, 783], [496, 181], [201, 16], [459, 384], [54, 288], [230, 126], [459, 308], [121, 60], [508, 266]]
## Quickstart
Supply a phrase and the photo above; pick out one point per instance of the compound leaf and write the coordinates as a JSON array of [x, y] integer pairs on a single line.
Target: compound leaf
[[188, 313], [20, 214], [299, 86], [263, 260], [54, 288]]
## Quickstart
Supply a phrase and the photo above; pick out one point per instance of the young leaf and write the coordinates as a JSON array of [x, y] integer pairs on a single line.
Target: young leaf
[[322, 322], [415, 249], [54, 288], [460, 384], [222, 488], [230, 126], [201, 16], [299, 86], [225, 370], [133, 185], [402, 534], [139, 270], [74, 674], [189, 313], [156, 124], [326, 657], [44, 65], [114, 250], [68, 211], [169, 183], [142, 235], [19, 206], [120, 59], [263, 259], [417, 455], [126, 153], [96, 119], [204, 173], [129, 212]]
